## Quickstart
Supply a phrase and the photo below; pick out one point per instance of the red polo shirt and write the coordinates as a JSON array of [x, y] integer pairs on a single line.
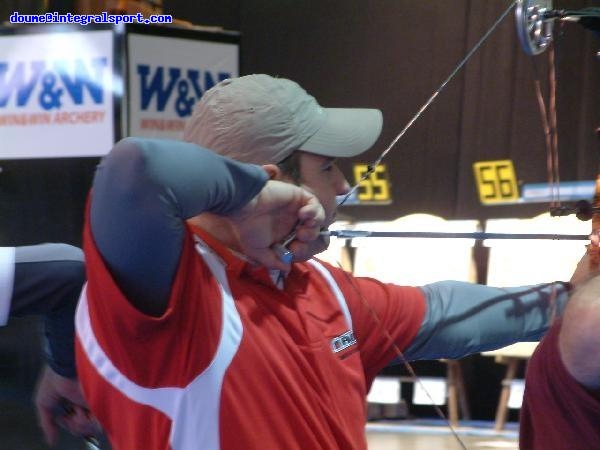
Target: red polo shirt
[[296, 375]]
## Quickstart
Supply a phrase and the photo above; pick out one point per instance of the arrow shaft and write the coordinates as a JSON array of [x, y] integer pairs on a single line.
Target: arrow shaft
[[351, 234]]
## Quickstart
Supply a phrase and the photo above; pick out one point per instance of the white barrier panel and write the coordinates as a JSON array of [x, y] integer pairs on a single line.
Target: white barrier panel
[[522, 262], [430, 391], [415, 261], [385, 391]]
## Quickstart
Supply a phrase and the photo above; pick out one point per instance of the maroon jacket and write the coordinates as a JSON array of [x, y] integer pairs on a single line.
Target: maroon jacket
[[557, 412]]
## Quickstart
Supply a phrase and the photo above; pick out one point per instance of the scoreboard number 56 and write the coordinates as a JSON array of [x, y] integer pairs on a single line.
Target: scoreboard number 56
[[496, 181]]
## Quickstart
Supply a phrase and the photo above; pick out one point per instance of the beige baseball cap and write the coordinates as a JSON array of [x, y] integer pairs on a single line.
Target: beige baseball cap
[[260, 119]]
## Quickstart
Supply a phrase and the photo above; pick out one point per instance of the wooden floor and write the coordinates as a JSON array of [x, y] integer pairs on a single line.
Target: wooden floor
[[404, 435]]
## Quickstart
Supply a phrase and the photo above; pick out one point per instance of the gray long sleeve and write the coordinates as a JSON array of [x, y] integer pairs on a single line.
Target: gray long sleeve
[[464, 318], [47, 281], [143, 192]]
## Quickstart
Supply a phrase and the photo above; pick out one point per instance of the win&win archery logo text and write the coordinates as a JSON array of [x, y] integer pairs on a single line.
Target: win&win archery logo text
[[40, 92]]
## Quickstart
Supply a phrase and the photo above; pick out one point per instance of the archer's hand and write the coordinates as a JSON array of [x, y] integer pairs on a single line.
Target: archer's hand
[[273, 214], [60, 402], [586, 268]]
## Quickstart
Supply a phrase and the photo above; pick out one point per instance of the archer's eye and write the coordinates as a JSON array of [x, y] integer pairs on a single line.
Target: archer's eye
[[328, 165]]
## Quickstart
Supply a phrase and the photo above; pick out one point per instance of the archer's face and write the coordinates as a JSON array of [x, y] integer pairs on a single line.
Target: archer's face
[[321, 176]]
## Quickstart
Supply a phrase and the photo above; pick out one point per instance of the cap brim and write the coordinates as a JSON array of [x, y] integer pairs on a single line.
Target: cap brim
[[345, 132]]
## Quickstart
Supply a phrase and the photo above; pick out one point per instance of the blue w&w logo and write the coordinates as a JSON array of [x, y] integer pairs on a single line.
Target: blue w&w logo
[[162, 82], [19, 80]]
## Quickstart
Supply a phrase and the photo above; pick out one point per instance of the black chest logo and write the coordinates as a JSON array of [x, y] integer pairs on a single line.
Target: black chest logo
[[343, 341]]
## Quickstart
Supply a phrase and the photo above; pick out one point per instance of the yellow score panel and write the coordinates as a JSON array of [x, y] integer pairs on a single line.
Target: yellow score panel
[[496, 181], [375, 189]]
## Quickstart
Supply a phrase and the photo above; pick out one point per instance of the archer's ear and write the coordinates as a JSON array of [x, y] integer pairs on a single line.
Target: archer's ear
[[274, 171]]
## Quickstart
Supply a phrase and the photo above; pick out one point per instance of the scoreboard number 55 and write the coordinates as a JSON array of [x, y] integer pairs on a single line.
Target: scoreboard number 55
[[496, 181], [375, 189]]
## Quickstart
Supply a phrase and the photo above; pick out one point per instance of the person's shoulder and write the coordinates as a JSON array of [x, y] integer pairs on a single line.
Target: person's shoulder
[[48, 252]]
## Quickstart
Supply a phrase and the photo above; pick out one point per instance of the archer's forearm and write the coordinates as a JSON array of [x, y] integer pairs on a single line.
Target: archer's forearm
[[143, 192], [464, 318], [47, 282]]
